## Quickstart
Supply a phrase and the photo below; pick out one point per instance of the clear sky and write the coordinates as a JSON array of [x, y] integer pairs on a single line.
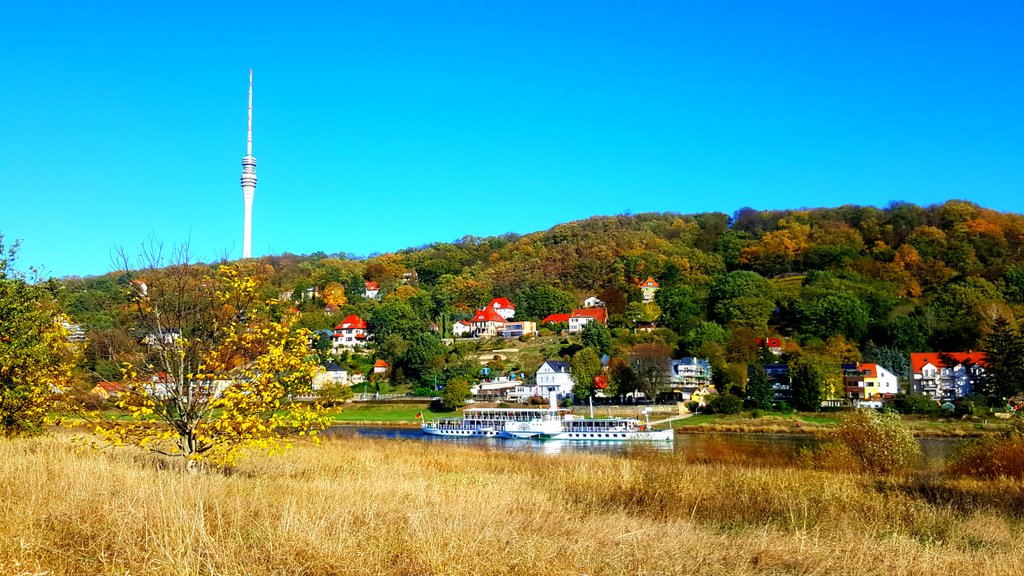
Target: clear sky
[[381, 125]]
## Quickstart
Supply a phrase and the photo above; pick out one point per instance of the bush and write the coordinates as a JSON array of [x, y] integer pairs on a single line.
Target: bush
[[991, 456], [692, 406], [868, 441], [723, 404], [915, 404]]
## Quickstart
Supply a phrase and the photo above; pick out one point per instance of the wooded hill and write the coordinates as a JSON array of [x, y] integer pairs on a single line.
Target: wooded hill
[[849, 282]]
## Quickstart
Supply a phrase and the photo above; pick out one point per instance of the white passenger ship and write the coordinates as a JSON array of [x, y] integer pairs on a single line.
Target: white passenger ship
[[550, 423]]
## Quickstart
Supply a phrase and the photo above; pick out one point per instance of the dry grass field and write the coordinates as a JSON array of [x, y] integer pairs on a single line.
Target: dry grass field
[[358, 506]]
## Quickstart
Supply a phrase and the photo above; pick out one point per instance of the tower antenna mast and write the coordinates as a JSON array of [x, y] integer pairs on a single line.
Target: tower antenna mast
[[248, 182]]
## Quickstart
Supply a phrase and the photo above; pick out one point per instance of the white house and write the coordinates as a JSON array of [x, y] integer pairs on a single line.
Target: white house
[[580, 318], [372, 290], [332, 375], [552, 376], [946, 376], [593, 302], [461, 328], [690, 372], [487, 323], [349, 333], [503, 307]]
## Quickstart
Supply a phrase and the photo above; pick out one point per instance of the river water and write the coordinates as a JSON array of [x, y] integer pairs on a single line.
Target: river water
[[701, 446]]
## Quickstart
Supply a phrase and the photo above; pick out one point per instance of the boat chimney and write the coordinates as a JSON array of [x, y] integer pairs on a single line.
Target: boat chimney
[[553, 399]]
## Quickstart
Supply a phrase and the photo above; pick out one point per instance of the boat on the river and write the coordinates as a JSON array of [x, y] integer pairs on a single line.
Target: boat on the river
[[551, 423]]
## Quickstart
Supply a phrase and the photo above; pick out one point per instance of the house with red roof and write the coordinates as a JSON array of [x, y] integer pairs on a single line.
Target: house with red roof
[[583, 316], [487, 323], [946, 376], [372, 289], [648, 288], [503, 307], [774, 344], [380, 367], [350, 333], [105, 390], [462, 328], [556, 319]]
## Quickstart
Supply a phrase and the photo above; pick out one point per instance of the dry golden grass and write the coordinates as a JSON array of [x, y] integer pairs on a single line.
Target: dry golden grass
[[358, 506]]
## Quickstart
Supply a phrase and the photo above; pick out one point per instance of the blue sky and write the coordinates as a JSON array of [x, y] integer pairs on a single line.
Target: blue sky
[[382, 125]]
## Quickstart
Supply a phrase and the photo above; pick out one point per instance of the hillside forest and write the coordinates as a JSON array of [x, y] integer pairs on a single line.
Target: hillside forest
[[839, 284]]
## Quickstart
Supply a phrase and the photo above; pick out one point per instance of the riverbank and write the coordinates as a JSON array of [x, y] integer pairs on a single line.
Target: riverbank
[[365, 506], [404, 415]]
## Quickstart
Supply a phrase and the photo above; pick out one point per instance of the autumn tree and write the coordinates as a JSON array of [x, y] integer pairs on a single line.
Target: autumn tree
[[214, 373], [650, 365], [334, 295], [36, 358], [814, 378]]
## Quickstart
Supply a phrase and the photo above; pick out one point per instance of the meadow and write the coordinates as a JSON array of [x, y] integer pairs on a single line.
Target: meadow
[[360, 506]]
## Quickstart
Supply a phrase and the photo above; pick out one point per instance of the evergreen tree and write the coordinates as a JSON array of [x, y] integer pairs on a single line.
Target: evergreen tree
[[760, 391], [1004, 352]]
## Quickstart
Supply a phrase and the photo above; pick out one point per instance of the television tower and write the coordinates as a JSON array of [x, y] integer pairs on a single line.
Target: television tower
[[248, 182]]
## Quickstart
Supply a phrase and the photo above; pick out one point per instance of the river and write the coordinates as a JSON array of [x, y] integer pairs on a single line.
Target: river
[[695, 446]]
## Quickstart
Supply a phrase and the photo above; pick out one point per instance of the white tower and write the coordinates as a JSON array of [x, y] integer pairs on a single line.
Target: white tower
[[248, 182]]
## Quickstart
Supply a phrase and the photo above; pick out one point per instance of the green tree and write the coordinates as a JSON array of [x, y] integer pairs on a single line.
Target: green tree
[[745, 298], [760, 392], [585, 365], [597, 336], [704, 333], [813, 379], [36, 358], [395, 316], [455, 394], [541, 301], [835, 313], [1004, 361], [680, 307], [425, 356]]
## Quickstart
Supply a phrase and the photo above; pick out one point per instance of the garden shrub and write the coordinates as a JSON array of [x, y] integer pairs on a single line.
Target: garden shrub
[[991, 456]]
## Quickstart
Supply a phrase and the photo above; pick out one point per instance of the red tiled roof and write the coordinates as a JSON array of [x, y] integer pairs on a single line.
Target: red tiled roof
[[919, 359], [351, 322], [501, 303], [598, 314], [111, 386], [869, 370], [464, 322], [487, 315], [380, 364], [556, 319], [769, 342], [372, 285], [649, 283]]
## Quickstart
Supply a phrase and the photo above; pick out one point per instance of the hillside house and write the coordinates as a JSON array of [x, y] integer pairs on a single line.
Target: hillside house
[[462, 328], [774, 344], [946, 376], [690, 371], [583, 316], [503, 307], [648, 288], [350, 333], [380, 367], [552, 376], [371, 290], [487, 323], [518, 328], [331, 375], [556, 319], [105, 390], [593, 302], [866, 381]]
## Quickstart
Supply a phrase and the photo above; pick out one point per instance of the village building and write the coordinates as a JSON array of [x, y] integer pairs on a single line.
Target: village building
[[648, 288], [371, 290], [946, 376], [350, 333], [583, 316], [503, 307], [487, 323]]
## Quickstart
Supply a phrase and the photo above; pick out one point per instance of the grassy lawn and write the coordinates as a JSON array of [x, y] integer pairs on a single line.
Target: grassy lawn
[[394, 413]]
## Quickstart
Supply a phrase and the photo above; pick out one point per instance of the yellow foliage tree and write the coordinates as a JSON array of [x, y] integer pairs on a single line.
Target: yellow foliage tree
[[334, 295], [215, 373], [36, 358]]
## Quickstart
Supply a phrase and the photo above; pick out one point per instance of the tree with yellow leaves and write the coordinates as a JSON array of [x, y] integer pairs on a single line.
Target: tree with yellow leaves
[[215, 372], [334, 295], [36, 358]]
